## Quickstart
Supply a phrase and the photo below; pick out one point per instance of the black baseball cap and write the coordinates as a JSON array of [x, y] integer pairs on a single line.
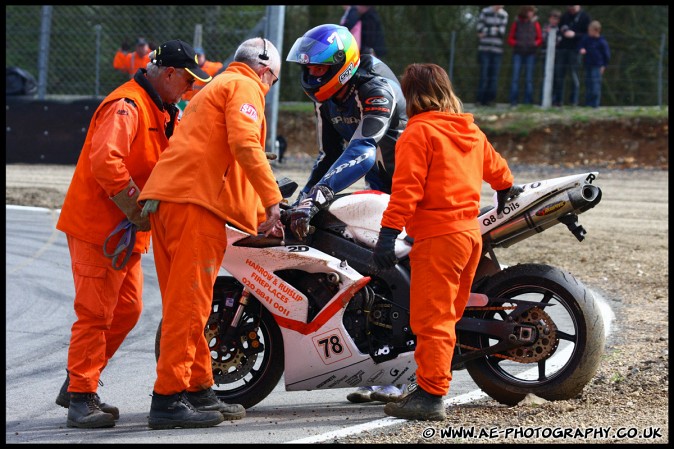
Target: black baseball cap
[[181, 55]]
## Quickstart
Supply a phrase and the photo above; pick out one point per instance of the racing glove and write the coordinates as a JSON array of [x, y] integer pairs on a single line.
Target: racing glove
[[127, 201], [505, 195], [384, 255], [299, 199], [319, 197]]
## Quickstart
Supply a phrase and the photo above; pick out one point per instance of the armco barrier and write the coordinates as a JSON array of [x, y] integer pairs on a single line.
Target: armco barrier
[[46, 131]]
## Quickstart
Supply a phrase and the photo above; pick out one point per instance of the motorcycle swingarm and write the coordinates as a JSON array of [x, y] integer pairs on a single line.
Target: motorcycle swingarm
[[504, 331]]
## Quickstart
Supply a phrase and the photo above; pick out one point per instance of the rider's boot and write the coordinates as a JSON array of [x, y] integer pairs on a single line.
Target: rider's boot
[[418, 405], [362, 394], [84, 412], [388, 393], [174, 410], [63, 399], [206, 400]]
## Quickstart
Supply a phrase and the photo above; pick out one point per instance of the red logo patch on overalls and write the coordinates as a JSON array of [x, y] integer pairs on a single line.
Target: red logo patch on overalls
[[131, 192], [249, 110]]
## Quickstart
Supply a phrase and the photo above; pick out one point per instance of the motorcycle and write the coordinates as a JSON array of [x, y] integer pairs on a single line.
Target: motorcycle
[[320, 312]]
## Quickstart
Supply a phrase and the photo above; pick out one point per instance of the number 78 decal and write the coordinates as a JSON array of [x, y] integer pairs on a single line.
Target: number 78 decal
[[331, 346]]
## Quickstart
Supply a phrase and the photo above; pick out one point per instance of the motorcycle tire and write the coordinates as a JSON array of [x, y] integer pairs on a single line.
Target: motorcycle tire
[[254, 381], [578, 325]]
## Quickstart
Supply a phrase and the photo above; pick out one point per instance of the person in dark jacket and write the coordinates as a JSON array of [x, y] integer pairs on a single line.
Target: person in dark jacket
[[525, 37], [596, 55], [573, 26], [365, 24]]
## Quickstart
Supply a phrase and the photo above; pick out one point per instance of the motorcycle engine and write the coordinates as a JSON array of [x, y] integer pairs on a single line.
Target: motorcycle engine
[[378, 326]]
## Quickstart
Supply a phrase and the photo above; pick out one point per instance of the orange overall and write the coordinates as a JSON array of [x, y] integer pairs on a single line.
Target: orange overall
[[214, 172], [123, 142], [129, 63], [441, 160]]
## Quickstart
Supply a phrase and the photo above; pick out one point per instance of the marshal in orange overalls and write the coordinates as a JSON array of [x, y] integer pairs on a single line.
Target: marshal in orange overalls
[[214, 172], [441, 160], [123, 142]]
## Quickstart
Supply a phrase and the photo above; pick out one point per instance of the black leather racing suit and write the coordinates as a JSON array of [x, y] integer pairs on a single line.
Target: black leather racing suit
[[357, 137]]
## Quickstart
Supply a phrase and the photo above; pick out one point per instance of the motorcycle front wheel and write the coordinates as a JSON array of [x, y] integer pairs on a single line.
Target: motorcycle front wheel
[[570, 337], [248, 364]]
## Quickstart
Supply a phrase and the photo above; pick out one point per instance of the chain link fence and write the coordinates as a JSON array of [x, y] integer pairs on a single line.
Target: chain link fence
[[76, 44], [72, 47]]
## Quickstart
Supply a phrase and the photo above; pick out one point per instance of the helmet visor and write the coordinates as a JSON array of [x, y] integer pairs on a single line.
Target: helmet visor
[[307, 50]]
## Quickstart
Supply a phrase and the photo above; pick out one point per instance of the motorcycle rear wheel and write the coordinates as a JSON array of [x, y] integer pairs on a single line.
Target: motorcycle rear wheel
[[251, 377], [579, 327]]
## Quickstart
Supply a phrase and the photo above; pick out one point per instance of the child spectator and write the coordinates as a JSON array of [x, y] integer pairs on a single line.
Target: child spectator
[[596, 55]]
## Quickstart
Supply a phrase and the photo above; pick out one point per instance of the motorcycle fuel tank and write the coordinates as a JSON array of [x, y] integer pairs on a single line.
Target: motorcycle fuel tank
[[362, 212]]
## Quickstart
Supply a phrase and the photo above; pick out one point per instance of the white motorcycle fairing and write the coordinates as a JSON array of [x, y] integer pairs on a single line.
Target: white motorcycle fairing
[[318, 354]]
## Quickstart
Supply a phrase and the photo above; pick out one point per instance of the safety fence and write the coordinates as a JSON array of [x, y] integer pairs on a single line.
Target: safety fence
[[69, 49]]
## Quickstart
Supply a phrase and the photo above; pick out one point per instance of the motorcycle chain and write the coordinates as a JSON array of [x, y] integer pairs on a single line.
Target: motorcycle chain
[[543, 347], [477, 309]]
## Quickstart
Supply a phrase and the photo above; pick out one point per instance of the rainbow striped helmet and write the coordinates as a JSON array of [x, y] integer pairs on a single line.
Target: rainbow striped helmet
[[330, 45]]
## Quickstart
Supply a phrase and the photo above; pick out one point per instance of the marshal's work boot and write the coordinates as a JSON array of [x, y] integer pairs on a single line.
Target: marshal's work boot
[[418, 405], [206, 400], [84, 412], [63, 399], [174, 410]]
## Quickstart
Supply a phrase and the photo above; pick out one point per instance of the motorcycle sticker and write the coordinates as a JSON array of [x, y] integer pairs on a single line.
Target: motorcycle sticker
[[330, 346]]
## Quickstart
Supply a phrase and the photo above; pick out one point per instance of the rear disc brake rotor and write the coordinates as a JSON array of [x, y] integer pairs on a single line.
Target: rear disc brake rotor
[[546, 342]]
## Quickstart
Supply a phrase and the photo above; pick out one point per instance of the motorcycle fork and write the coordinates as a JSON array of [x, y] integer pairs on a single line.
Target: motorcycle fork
[[234, 326], [234, 323]]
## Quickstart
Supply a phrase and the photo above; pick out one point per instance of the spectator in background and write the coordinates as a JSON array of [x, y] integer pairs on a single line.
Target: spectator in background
[[210, 67], [491, 30], [552, 24], [573, 26], [525, 37], [365, 24], [548, 28], [351, 20], [129, 62], [129, 130], [596, 55], [281, 146]]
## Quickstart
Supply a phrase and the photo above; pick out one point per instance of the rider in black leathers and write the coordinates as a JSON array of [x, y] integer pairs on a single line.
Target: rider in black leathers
[[360, 114]]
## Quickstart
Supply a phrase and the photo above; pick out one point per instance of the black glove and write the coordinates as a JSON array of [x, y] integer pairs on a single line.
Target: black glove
[[384, 255], [502, 196], [125, 46], [319, 197]]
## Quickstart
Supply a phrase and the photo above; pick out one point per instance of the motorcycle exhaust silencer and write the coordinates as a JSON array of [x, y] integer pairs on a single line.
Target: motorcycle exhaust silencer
[[540, 218]]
